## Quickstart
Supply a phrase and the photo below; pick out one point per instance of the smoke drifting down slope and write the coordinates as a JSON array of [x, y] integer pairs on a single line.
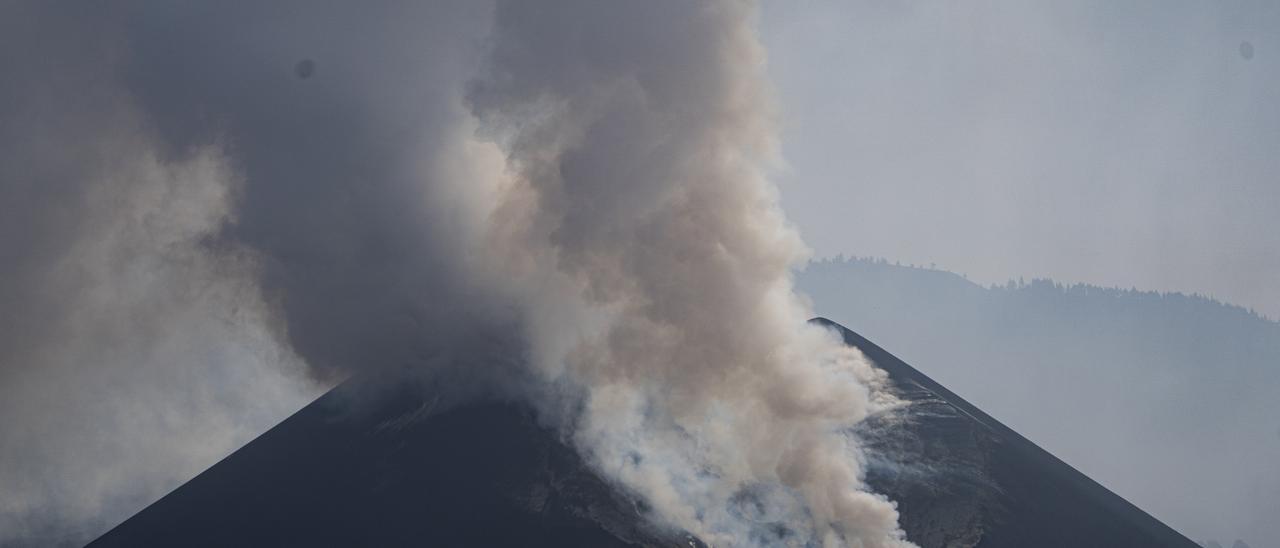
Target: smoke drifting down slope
[[589, 172]]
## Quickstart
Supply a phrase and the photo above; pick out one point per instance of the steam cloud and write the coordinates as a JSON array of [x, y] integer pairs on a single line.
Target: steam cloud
[[188, 220]]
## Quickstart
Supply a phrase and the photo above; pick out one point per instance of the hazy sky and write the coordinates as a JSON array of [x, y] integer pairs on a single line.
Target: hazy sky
[[1115, 143]]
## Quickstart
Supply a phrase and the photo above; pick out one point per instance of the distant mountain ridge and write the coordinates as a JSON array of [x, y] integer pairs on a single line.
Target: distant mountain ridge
[[874, 266], [1132, 387]]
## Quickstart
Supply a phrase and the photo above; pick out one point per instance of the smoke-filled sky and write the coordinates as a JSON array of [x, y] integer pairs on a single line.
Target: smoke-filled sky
[[210, 211], [213, 210], [1113, 143]]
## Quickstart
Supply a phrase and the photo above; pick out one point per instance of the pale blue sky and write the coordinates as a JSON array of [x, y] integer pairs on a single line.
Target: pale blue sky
[[1128, 144]]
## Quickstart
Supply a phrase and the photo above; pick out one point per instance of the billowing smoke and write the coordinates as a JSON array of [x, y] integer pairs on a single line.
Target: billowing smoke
[[356, 183], [636, 135], [200, 197], [134, 349]]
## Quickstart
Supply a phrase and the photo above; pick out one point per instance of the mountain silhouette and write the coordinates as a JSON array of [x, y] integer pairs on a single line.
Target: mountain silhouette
[[399, 472]]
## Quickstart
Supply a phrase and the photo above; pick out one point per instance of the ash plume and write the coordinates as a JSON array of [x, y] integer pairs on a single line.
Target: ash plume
[[270, 191], [134, 350], [636, 137], [354, 176], [196, 240]]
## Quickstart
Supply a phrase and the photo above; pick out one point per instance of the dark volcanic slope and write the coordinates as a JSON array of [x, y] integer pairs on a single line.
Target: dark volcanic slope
[[963, 479], [400, 474], [397, 475]]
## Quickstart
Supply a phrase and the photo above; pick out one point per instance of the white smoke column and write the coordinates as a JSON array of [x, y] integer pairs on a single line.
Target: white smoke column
[[636, 210]]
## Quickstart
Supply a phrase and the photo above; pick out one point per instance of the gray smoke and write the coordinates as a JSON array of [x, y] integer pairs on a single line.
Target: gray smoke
[[204, 200], [134, 350], [355, 178]]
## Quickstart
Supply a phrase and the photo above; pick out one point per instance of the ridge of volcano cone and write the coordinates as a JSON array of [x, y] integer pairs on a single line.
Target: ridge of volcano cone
[[399, 472], [961, 478]]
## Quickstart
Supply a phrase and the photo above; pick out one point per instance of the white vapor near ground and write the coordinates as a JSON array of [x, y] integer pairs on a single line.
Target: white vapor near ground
[[221, 208]]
